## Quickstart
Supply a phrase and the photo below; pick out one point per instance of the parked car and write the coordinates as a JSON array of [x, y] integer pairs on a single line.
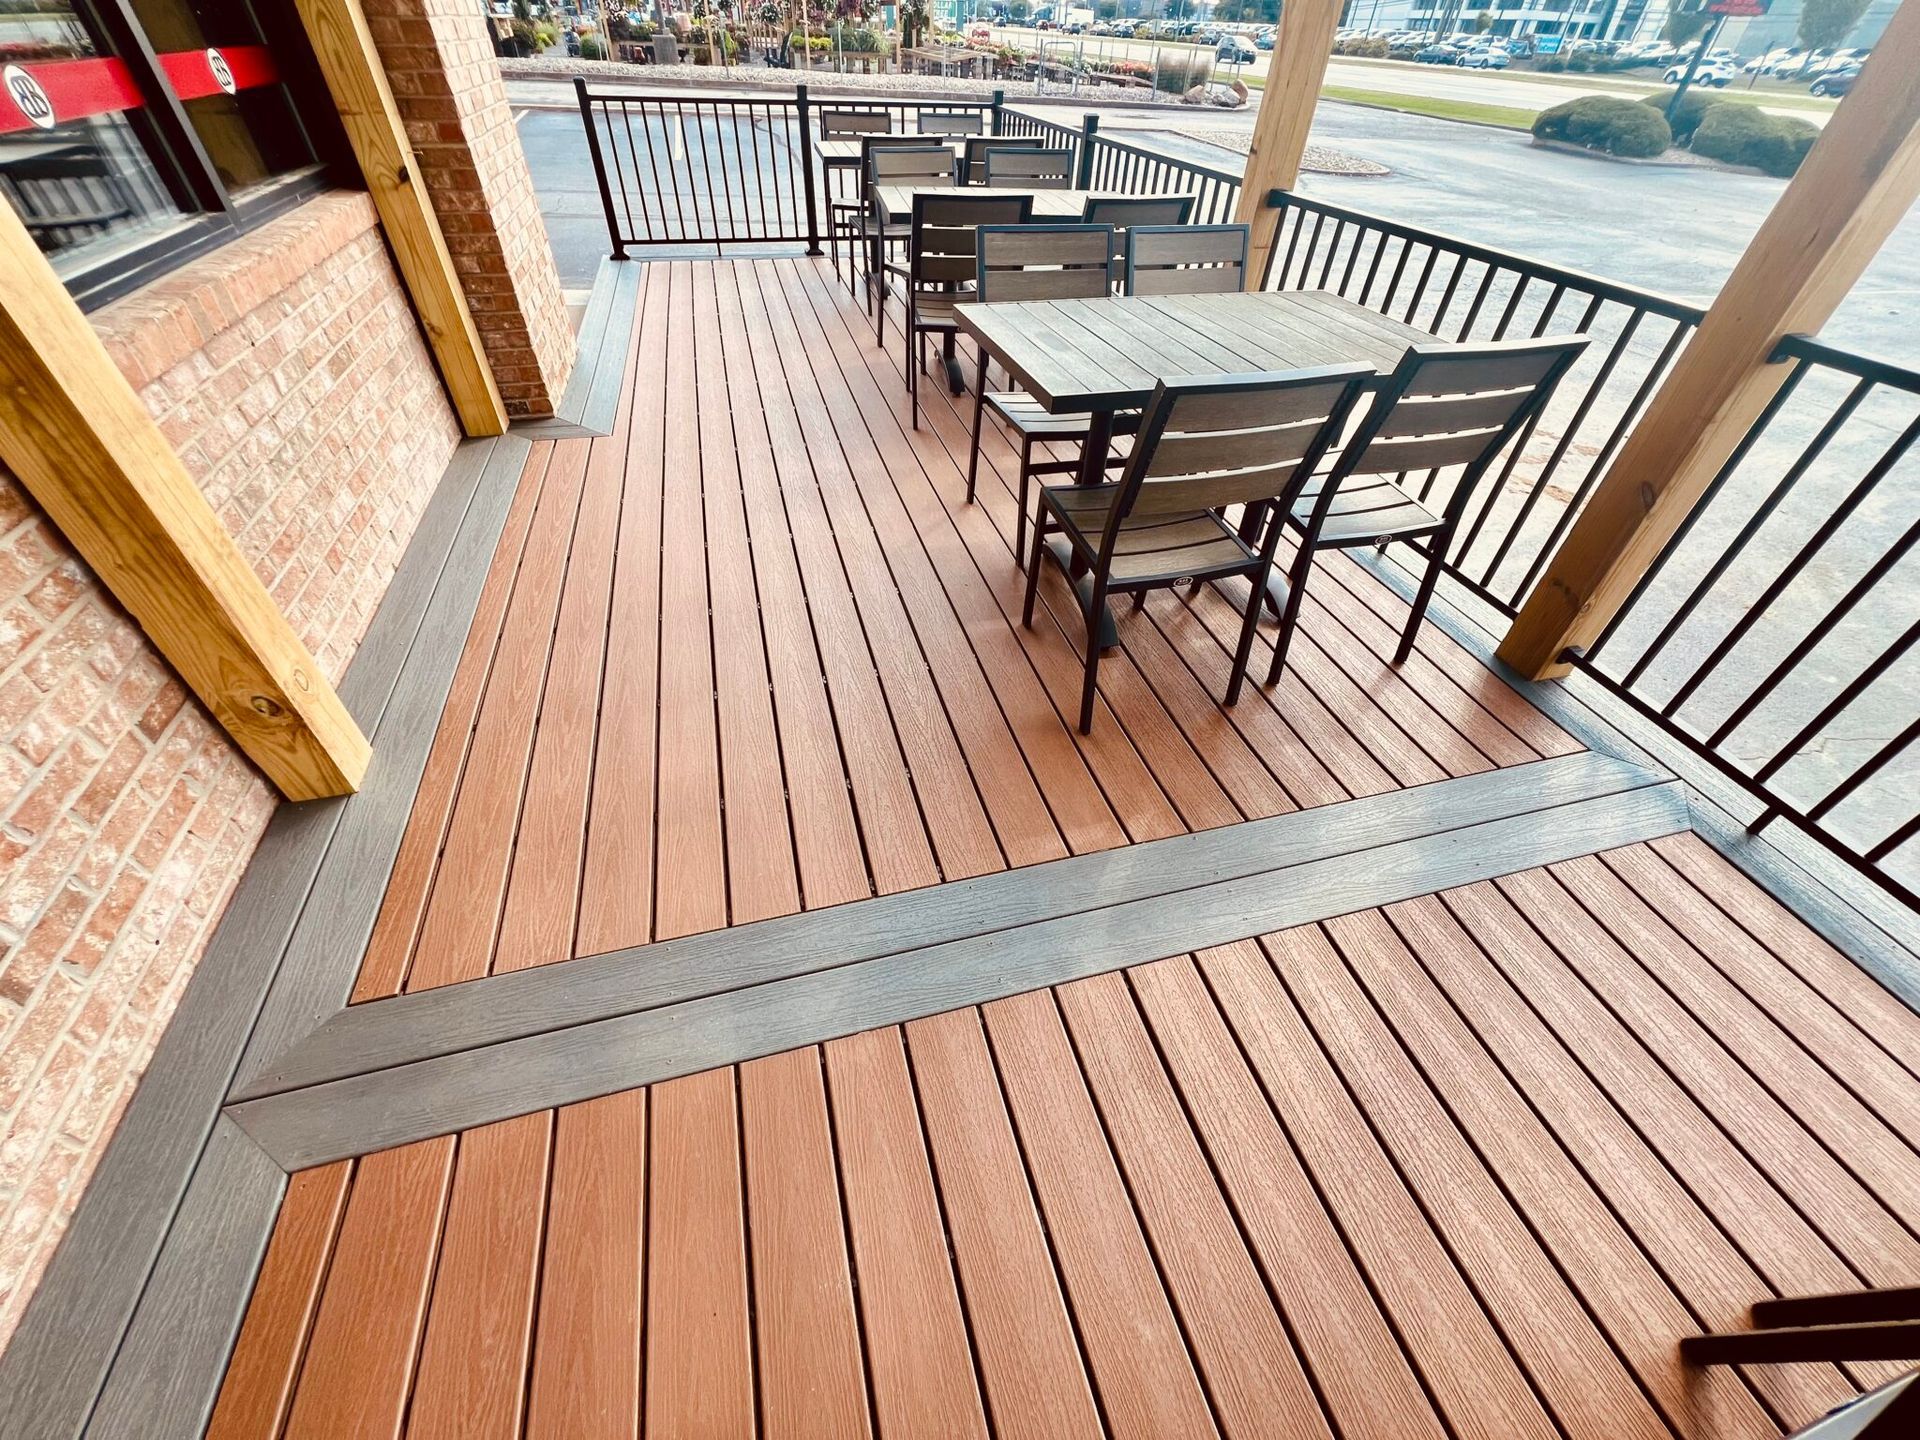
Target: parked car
[[1834, 82], [1491, 57], [1438, 55], [1717, 73], [1235, 51], [1264, 40]]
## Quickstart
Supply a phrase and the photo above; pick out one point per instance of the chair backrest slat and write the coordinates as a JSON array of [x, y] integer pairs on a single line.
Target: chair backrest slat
[[1045, 262], [1030, 169], [951, 122], [943, 244], [1125, 211], [903, 165], [1186, 259], [1233, 440], [978, 145], [837, 124]]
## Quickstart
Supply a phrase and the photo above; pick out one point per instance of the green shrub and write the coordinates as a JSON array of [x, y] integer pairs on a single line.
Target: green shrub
[[592, 49], [1747, 135], [1366, 47], [1178, 76], [1686, 118], [1605, 122], [1554, 64]]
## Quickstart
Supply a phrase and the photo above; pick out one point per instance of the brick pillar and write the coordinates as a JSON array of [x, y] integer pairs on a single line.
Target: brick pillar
[[439, 59]]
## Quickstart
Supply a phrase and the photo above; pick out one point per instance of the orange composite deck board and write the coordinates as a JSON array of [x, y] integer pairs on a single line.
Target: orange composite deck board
[[1029, 1358], [699, 1352], [1466, 1166], [266, 1356], [584, 1382], [919, 1363], [812, 1378], [617, 886], [1133, 1343]]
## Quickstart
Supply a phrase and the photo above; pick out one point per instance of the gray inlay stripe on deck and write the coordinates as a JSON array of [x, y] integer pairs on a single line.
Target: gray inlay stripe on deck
[[377, 1111], [522, 1002]]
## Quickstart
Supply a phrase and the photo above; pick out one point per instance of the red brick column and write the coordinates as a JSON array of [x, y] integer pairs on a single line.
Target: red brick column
[[439, 59]]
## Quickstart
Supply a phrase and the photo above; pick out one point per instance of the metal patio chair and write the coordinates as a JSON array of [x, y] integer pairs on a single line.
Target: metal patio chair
[[847, 124], [952, 122], [1123, 212], [1186, 259], [1036, 262], [973, 165], [846, 214], [896, 165], [1029, 169], [942, 246], [1204, 445], [1444, 407]]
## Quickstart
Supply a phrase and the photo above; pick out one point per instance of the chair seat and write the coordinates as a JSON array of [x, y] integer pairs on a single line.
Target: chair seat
[[1368, 508], [1196, 543], [1025, 415], [936, 312]]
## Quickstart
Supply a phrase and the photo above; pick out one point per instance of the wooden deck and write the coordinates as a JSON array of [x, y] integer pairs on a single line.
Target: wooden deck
[[1467, 1164]]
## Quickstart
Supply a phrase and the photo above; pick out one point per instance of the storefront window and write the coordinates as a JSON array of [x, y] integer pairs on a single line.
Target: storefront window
[[71, 162], [134, 132]]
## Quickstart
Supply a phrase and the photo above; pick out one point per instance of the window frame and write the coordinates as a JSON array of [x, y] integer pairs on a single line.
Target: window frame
[[213, 216]]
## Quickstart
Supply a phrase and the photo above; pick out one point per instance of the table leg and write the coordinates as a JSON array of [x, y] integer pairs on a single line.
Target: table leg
[[956, 382], [1093, 471]]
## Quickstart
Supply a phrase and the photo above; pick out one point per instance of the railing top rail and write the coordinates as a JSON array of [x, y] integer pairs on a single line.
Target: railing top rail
[[1153, 152], [1850, 362], [1649, 300], [816, 99]]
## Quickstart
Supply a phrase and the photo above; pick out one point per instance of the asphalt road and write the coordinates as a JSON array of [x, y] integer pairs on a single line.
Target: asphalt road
[[1444, 82]]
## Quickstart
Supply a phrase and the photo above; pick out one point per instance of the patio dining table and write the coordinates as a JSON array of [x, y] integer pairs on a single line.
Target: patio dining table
[[1096, 357]]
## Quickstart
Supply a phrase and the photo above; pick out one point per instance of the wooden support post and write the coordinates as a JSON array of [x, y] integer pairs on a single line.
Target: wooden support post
[[1856, 183], [1292, 93], [344, 47], [78, 437]]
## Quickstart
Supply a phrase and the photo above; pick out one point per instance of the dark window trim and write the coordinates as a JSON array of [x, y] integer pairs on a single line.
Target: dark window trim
[[215, 216]]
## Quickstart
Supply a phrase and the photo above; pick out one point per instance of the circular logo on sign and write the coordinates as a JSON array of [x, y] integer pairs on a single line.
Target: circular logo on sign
[[222, 75], [26, 94]]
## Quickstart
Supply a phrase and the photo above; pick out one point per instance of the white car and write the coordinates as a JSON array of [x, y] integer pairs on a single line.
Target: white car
[[1717, 73], [1492, 57]]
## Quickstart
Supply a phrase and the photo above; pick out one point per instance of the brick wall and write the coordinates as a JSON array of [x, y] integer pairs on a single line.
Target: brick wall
[[439, 58], [289, 373]]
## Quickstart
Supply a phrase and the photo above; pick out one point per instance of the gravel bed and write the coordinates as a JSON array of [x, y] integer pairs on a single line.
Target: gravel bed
[[1319, 159]]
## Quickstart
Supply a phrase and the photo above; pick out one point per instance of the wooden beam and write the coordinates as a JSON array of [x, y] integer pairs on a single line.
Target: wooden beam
[[344, 47], [1860, 178], [78, 437], [1287, 102]]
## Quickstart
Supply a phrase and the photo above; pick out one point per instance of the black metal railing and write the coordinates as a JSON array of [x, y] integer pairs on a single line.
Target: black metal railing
[[1775, 632], [1134, 169], [1460, 290]]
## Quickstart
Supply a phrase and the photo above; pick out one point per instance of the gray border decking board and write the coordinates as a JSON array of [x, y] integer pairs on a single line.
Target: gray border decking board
[[450, 1093], [168, 1372], [1845, 909], [323, 953], [521, 1002], [59, 1358], [592, 398]]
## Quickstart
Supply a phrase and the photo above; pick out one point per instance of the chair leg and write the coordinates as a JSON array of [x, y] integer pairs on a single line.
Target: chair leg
[[913, 375], [1244, 650], [1020, 514], [1421, 600], [1089, 686], [1033, 571], [979, 419], [1296, 591]]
